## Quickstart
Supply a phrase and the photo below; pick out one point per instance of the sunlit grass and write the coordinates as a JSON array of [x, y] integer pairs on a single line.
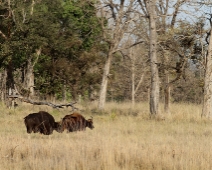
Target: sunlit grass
[[123, 138]]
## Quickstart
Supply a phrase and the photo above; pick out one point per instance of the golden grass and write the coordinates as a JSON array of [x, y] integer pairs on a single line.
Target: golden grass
[[123, 138]]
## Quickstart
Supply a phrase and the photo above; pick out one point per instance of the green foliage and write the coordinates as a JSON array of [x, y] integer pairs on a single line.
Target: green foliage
[[80, 16], [68, 34]]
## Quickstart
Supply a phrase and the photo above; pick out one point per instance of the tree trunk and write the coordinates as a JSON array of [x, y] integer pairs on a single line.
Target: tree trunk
[[167, 97], [207, 98], [154, 87], [29, 79], [32, 60], [133, 77], [103, 90], [10, 79], [3, 78], [133, 86], [167, 88]]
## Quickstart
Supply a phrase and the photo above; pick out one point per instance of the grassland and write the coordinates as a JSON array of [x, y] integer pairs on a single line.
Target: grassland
[[122, 139]]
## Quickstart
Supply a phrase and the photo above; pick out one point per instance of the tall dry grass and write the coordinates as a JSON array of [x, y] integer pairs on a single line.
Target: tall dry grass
[[123, 138]]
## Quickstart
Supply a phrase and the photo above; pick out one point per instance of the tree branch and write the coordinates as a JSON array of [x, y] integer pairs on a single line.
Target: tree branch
[[177, 6], [130, 46], [143, 8], [139, 83], [3, 35]]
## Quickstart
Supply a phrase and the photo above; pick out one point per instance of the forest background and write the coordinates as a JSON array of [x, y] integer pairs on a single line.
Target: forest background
[[126, 57], [72, 50]]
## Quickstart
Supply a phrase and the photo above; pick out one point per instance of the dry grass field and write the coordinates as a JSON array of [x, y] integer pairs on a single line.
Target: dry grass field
[[123, 139]]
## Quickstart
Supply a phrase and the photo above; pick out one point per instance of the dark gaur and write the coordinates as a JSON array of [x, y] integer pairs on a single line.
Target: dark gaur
[[41, 122]]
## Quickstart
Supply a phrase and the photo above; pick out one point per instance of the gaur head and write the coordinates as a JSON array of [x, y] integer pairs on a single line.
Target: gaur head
[[89, 123], [59, 126]]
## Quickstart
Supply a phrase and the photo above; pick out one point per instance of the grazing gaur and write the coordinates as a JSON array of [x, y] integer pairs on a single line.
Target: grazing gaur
[[75, 122], [41, 122]]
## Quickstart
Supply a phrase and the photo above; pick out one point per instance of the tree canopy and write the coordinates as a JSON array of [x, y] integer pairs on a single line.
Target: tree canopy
[[67, 33], [60, 49]]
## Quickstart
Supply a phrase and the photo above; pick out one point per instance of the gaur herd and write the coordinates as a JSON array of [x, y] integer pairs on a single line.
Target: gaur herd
[[44, 123]]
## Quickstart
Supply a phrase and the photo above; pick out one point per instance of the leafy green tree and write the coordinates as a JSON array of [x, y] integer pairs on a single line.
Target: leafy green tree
[[73, 53], [53, 39]]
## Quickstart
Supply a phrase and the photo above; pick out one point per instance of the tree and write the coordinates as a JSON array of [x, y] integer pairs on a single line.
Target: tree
[[204, 7], [24, 38], [6, 32], [48, 46], [72, 54], [134, 64], [207, 100], [163, 9], [176, 51], [130, 75], [171, 52], [148, 10], [154, 88], [121, 24]]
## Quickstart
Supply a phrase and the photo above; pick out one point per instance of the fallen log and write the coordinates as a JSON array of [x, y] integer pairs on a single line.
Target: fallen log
[[16, 95], [26, 100], [49, 104]]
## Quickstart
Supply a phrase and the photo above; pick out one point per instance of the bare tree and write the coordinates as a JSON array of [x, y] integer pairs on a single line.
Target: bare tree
[[134, 69], [134, 58], [121, 24], [165, 14]]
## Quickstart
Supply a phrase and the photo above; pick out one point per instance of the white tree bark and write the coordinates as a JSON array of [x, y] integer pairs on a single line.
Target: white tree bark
[[207, 100], [29, 77], [120, 17], [133, 55], [103, 91], [154, 88], [133, 77]]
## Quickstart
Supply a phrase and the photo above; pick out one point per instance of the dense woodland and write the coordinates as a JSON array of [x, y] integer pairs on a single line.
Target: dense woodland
[[77, 49]]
